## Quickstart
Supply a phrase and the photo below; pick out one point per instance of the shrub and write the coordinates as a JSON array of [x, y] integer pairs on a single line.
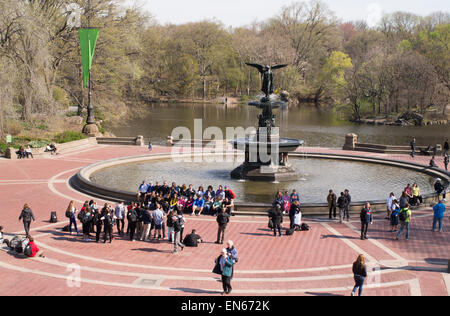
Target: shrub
[[3, 147], [68, 136], [37, 143]]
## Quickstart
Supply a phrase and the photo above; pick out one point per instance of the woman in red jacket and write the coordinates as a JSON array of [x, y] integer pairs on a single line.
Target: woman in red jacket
[[35, 251]]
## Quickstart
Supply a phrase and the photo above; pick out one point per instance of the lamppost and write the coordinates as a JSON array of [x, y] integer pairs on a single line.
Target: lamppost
[[88, 39]]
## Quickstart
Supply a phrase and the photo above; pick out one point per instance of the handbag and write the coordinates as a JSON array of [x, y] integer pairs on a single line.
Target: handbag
[[270, 225], [217, 269]]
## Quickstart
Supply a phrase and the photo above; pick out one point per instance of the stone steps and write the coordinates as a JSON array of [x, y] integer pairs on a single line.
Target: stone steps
[[387, 149], [125, 141]]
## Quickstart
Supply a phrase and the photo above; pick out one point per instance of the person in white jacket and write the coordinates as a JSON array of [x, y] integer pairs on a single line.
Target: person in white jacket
[[389, 202]]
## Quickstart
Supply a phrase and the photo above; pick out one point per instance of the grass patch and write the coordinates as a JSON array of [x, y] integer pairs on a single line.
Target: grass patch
[[68, 136]]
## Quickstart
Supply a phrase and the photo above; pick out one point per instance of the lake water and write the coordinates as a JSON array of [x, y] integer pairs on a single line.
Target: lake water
[[317, 128]]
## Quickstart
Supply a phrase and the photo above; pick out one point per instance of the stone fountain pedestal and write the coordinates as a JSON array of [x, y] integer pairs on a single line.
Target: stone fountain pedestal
[[261, 164]]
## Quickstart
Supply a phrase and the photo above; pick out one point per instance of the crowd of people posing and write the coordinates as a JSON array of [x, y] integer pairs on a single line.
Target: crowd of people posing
[[186, 199], [159, 209]]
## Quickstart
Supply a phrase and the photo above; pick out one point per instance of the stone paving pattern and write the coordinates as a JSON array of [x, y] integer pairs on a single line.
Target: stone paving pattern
[[317, 262]]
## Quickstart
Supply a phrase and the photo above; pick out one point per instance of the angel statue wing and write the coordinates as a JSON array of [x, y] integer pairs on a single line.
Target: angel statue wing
[[257, 66], [278, 66]]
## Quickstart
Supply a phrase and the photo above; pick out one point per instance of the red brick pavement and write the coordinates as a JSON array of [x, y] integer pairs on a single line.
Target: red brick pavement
[[309, 263]]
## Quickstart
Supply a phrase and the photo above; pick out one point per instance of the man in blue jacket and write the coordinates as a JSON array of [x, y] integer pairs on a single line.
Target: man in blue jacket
[[198, 205], [439, 210]]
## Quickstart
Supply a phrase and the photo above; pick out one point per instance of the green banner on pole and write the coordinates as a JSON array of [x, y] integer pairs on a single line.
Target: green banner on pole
[[88, 40]]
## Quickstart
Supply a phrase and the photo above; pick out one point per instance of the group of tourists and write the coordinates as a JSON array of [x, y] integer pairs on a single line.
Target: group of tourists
[[142, 219], [186, 199], [342, 203], [285, 204], [160, 209]]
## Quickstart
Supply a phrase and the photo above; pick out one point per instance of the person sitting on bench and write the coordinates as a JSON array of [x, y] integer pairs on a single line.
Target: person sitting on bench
[[425, 152], [51, 148], [21, 154]]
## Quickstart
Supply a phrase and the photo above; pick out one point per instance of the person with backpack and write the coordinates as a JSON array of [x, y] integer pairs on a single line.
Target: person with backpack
[[71, 215], [98, 223], [169, 223], [32, 250], [405, 218], [27, 216], [177, 233], [366, 219], [85, 216], [277, 219], [440, 189], [439, 210], [108, 223], [389, 202], [359, 274], [222, 220], [94, 210], [394, 215]]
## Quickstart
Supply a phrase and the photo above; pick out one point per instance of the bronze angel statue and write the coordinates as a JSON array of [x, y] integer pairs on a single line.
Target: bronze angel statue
[[266, 77]]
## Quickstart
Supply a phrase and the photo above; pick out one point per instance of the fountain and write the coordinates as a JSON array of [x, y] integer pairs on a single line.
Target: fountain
[[266, 154]]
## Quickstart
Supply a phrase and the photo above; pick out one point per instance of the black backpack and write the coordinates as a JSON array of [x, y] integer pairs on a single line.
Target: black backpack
[[81, 216], [28, 251], [53, 217], [403, 215], [109, 220], [305, 227], [290, 232], [132, 217], [15, 242], [86, 218]]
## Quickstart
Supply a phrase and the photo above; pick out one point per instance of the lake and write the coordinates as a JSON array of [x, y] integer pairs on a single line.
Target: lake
[[316, 127]]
